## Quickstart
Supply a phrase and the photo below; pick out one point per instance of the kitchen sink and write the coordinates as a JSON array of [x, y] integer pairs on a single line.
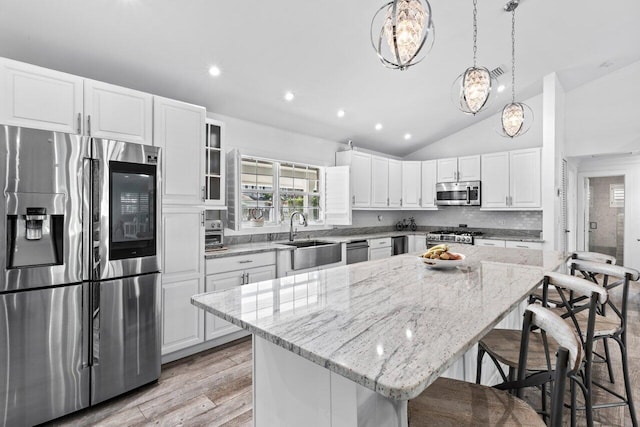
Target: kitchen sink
[[314, 253]]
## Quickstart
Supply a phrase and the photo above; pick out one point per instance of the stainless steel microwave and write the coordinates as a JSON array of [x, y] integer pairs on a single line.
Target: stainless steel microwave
[[458, 193]]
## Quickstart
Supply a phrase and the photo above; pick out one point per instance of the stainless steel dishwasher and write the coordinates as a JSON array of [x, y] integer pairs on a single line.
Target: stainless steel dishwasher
[[357, 251], [400, 245]]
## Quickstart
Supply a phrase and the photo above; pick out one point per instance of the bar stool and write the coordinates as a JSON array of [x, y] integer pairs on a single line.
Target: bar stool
[[450, 402], [611, 327], [502, 345]]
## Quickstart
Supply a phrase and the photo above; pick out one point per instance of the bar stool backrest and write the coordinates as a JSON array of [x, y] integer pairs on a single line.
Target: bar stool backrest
[[579, 286], [594, 256], [568, 357]]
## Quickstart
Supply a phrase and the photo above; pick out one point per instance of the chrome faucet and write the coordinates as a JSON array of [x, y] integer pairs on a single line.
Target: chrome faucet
[[292, 233]]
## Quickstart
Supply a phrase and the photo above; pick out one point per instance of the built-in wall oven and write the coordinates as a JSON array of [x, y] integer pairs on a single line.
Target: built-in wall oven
[[458, 193]]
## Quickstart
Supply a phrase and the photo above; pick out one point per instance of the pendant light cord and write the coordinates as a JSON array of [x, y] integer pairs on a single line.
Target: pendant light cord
[[513, 55], [475, 31]]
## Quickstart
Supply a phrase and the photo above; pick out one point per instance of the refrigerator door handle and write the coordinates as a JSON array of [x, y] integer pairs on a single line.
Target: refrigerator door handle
[[95, 322], [86, 326]]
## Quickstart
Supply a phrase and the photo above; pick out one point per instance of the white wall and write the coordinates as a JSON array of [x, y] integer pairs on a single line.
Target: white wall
[[481, 138], [602, 115]]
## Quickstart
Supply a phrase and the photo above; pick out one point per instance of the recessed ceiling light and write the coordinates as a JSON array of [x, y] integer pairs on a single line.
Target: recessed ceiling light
[[501, 88], [341, 113], [378, 126], [214, 71], [288, 96], [407, 136]]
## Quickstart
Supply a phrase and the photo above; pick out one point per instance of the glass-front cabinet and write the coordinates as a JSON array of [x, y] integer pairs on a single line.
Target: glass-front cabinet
[[214, 173]]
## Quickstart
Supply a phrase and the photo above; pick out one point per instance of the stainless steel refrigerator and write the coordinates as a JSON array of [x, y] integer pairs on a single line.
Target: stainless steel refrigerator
[[80, 282]]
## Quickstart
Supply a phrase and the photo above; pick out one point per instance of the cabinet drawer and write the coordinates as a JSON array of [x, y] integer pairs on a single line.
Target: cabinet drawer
[[489, 242], [240, 262], [380, 243], [523, 245]]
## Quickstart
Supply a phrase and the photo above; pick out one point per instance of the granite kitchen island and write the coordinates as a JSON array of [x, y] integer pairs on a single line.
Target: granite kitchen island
[[349, 346]]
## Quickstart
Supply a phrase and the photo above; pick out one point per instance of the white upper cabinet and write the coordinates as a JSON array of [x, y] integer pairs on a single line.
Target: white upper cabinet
[[448, 170], [379, 182], [469, 168], [525, 179], [411, 184], [360, 164], [114, 112], [457, 169], [337, 196], [40, 98], [395, 183], [511, 180], [429, 179], [495, 180], [179, 130]]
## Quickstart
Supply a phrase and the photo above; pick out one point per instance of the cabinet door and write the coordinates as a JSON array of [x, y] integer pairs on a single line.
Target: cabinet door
[[214, 168], [337, 199], [448, 170], [114, 112], [429, 177], [179, 131], [395, 183], [182, 322], [39, 98], [525, 178], [361, 179], [411, 184], [379, 182], [259, 274], [379, 253], [182, 242], [469, 168], [215, 326], [495, 180]]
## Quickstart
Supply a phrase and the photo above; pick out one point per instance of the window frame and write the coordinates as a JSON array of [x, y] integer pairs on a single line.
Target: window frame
[[277, 204]]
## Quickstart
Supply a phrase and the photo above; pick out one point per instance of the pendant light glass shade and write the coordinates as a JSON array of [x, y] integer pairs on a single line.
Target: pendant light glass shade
[[402, 33], [472, 89], [512, 118]]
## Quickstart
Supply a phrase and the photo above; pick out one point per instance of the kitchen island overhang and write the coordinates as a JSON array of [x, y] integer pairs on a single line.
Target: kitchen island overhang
[[390, 326]]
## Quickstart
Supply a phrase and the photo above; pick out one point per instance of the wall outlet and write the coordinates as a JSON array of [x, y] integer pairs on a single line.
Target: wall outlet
[[501, 222]]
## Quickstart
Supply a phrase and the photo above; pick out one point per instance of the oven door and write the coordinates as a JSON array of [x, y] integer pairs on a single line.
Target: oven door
[[125, 209]]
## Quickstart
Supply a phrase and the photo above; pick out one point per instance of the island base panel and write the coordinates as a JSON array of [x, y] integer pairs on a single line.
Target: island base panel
[[289, 390]]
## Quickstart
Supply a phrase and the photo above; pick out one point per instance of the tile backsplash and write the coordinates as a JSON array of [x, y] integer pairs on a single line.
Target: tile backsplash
[[451, 216]]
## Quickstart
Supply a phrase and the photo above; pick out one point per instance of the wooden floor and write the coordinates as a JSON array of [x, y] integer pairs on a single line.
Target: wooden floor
[[213, 388]]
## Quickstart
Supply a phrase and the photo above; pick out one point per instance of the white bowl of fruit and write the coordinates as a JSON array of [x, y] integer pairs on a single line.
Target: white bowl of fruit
[[440, 257]]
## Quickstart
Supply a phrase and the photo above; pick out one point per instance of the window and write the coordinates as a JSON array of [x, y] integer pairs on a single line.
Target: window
[[616, 195], [271, 191]]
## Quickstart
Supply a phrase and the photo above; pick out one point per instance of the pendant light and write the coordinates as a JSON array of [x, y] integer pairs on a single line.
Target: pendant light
[[471, 90], [402, 33], [516, 117]]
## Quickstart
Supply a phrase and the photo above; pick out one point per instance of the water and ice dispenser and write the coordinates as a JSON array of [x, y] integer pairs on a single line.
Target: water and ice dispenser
[[34, 234]]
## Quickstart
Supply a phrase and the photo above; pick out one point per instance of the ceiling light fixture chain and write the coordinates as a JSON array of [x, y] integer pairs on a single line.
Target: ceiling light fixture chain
[[513, 55], [475, 32]]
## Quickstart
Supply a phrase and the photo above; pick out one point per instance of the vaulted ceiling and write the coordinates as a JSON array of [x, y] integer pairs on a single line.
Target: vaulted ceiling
[[321, 51]]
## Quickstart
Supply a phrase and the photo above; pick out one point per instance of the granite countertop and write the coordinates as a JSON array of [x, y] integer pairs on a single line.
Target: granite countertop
[[513, 238], [249, 248], [391, 325]]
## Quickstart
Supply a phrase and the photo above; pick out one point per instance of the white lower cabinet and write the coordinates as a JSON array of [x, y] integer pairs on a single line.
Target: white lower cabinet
[[182, 323], [182, 277], [489, 242], [417, 243], [380, 248], [523, 245], [229, 272], [215, 327]]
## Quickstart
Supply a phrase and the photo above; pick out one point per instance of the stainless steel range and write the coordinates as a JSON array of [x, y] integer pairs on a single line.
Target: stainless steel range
[[445, 236], [79, 272]]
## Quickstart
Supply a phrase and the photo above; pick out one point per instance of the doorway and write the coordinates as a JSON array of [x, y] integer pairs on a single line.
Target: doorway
[[604, 216]]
